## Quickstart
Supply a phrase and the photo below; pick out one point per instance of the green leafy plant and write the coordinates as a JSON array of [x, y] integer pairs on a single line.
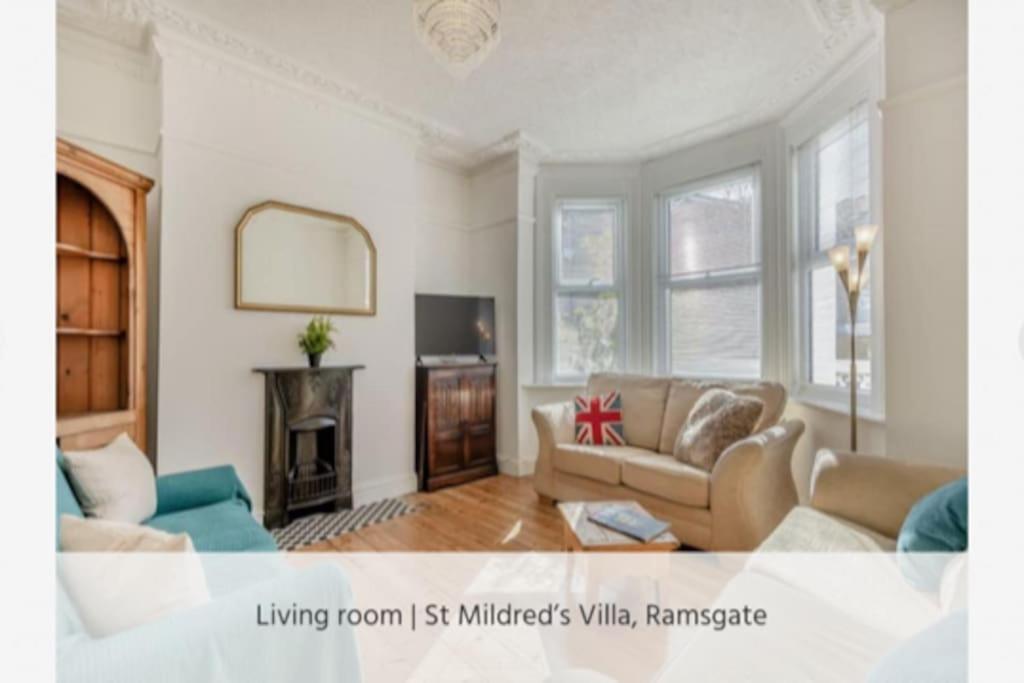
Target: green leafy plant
[[317, 337]]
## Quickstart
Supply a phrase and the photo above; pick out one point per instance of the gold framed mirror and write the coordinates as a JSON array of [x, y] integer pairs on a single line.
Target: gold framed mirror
[[292, 258]]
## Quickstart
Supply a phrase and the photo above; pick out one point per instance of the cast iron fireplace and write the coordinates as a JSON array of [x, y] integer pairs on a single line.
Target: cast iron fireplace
[[308, 442]]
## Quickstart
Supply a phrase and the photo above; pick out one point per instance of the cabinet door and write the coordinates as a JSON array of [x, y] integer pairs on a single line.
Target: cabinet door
[[478, 415], [444, 430]]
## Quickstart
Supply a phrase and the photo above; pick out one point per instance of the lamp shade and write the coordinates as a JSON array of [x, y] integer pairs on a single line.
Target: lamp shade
[[840, 258], [865, 237]]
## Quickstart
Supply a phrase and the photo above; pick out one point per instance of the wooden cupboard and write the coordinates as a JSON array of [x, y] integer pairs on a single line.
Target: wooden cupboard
[[455, 418], [101, 299]]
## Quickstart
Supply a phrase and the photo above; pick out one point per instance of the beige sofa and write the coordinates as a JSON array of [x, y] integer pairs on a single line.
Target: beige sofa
[[842, 601], [733, 507], [857, 503]]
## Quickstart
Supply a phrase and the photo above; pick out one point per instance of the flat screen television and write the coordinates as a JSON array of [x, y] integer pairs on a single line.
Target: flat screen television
[[454, 325]]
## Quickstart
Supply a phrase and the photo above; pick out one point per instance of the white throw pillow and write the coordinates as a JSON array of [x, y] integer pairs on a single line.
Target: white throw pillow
[[115, 482], [121, 575]]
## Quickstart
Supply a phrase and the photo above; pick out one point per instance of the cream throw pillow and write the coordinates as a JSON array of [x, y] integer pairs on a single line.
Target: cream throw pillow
[[115, 482], [717, 420], [121, 575]]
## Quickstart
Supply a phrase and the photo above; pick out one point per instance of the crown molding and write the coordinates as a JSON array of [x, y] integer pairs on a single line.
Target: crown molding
[[128, 59], [863, 55], [838, 28], [140, 23], [885, 6], [834, 16], [137, 23]]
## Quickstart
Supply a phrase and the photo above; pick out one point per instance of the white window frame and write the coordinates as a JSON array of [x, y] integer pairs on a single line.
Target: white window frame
[[870, 405], [665, 282], [617, 287]]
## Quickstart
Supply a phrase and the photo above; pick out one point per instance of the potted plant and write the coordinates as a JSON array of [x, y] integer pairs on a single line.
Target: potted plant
[[317, 339]]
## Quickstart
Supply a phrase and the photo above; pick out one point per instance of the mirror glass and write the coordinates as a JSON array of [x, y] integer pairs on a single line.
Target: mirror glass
[[294, 259]]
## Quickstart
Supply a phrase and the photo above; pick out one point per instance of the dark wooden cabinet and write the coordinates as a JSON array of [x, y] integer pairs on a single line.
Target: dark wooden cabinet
[[455, 428]]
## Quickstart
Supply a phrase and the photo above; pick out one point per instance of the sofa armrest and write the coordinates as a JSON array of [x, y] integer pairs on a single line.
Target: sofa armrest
[[196, 488], [873, 491], [752, 487], [554, 424], [222, 641]]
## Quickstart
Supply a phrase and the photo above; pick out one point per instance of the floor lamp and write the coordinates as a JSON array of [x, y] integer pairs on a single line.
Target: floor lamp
[[854, 276]]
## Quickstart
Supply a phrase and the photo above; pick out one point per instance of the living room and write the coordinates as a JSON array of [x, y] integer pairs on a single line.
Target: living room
[[700, 267], [192, 118]]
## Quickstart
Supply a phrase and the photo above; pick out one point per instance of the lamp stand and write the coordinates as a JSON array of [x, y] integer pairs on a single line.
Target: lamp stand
[[853, 297], [853, 275]]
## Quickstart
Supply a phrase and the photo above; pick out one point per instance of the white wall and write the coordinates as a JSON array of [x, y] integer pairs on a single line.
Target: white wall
[[230, 142], [925, 218], [466, 244], [443, 249]]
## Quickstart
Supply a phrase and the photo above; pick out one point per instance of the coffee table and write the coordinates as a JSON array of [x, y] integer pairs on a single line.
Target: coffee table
[[582, 535]]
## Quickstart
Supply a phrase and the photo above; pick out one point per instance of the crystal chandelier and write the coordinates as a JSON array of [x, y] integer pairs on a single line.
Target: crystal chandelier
[[460, 33]]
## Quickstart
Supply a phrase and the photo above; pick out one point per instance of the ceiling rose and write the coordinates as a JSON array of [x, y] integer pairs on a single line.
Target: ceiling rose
[[460, 33]]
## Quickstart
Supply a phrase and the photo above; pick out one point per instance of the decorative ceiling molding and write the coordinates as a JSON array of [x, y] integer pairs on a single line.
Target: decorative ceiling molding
[[88, 16], [123, 21], [885, 6], [835, 16], [124, 54], [840, 22], [137, 23]]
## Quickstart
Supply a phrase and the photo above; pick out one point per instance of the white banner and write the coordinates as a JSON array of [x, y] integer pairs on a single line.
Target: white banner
[[511, 617]]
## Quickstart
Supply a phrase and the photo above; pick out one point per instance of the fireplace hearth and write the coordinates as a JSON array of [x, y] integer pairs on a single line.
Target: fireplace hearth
[[308, 442]]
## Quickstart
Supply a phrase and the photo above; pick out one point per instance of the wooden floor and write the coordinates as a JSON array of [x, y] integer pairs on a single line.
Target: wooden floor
[[493, 514]]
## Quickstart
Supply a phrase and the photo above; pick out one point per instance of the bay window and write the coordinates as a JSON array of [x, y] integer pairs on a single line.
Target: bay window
[[833, 183], [587, 291], [708, 291]]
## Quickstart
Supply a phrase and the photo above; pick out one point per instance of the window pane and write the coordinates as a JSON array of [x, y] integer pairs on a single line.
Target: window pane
[[830, 332], [713, 228], [587, 246], [843, 179], [716, 332], [586, 333]]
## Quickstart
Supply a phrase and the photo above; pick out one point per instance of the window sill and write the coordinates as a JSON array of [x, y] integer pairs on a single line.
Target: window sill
[[839, 407]]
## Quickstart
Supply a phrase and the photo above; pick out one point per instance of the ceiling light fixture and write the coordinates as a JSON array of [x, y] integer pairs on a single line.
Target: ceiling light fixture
[[460, 33]]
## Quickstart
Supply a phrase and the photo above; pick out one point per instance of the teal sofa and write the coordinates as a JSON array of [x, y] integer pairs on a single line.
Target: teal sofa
[[210, 505], [220, 641]]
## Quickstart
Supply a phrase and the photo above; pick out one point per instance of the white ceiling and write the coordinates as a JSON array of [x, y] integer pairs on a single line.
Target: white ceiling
[[583, 79]]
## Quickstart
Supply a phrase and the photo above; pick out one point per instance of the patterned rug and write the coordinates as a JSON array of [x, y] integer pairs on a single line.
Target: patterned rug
[[319, 527]]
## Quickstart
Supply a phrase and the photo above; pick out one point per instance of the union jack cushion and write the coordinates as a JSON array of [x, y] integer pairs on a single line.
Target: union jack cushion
[[599, 420]]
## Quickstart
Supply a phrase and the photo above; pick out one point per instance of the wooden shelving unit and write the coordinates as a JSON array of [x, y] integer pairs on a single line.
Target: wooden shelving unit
[[100, 308], [72, 250], [89, 333]]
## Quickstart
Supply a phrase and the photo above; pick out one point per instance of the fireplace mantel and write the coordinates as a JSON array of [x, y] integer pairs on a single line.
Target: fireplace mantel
[[308, 441], [303, 369]]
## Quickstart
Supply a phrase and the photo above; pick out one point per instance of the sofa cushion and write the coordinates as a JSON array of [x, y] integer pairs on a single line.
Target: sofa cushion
[[67, 504], [112, 587], [664, 477], [227, 526], [720, 419], [683, 395], [115, 482], [938, 522], [599, 420], [805, 529], [936, 525], [601, 463], [643, 404]]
